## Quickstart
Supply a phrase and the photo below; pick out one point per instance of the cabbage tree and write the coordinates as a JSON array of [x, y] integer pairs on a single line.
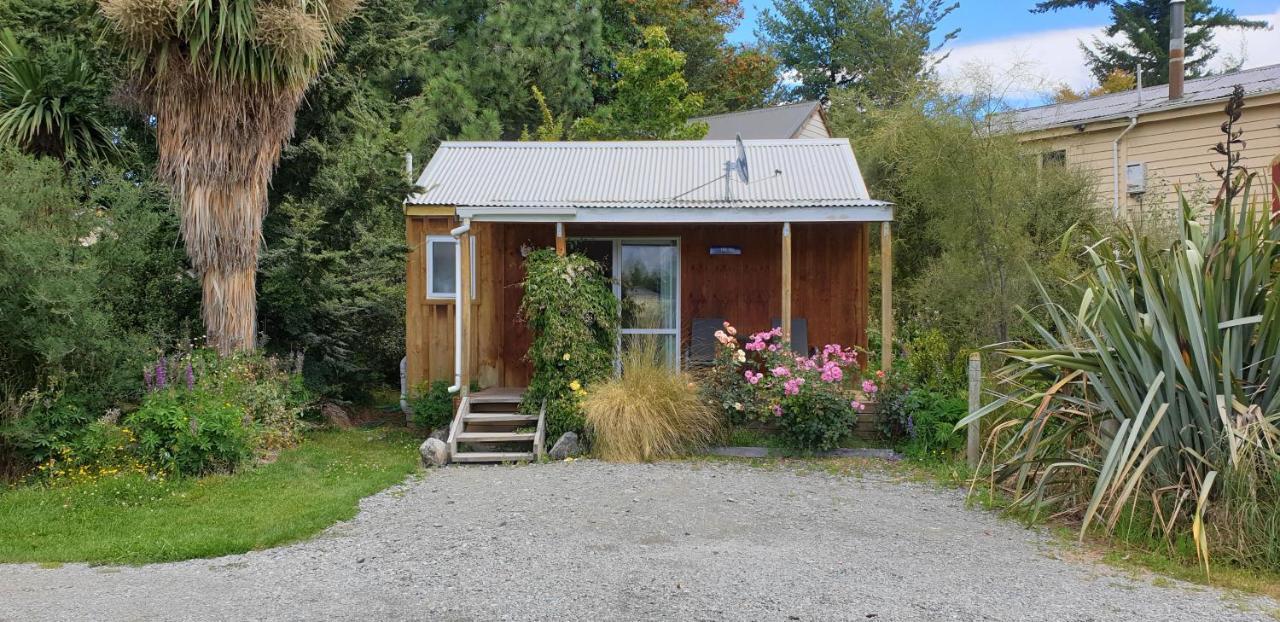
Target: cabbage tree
[[222, 80]]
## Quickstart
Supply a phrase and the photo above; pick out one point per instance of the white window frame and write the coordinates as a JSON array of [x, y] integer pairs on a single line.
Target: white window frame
[[447, 239], [616, 277]]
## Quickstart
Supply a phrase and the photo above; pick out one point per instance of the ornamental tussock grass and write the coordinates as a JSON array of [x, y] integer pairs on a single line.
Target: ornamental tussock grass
[[648, 413]]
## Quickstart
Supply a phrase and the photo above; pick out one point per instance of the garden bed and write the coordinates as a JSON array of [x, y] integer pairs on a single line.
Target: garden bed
[[137, 519]]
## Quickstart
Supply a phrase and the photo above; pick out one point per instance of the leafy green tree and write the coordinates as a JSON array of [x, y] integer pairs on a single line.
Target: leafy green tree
[[1144, 27], [652, 99], [875, 46], [973, 209], [729, 77]]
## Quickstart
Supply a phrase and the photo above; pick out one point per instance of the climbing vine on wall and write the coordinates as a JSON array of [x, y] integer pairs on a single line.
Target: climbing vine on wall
[[570, 308]]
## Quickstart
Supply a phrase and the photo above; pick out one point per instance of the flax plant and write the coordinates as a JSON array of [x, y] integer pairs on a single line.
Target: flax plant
[[223, 80], [1161, 382]]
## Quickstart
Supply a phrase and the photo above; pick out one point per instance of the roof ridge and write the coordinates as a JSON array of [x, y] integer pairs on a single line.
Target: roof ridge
[[1145, 89], [644, 144], [807, 102]]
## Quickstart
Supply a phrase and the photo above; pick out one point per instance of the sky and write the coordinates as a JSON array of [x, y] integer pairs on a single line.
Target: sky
[[1028, 54]]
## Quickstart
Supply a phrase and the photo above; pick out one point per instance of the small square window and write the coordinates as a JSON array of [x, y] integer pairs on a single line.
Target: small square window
[[1057, 157], [442, 268]]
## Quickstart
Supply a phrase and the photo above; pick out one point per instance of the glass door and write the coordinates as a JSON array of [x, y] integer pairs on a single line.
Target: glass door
[[648, 286], [646, 280]]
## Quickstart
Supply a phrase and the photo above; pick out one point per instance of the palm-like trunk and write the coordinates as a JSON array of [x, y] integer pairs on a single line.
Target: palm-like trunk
[[219, 145]]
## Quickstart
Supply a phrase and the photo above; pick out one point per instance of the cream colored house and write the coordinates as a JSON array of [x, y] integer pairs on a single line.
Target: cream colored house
[[1142, 144]]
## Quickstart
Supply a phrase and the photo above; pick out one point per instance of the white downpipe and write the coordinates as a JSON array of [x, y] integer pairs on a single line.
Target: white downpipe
[[1115, 166], [404, 390], [459, 288]]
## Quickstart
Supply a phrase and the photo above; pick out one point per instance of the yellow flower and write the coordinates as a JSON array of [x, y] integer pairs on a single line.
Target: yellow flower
[[566, 356], [575, 386]]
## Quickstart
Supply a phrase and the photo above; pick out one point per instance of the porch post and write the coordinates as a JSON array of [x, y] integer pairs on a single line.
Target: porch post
[[560, 243], [464, 286], [886, 295], [786, 282]]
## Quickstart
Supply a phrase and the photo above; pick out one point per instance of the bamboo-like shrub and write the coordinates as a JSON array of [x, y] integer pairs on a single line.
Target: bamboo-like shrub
[[1163, 379], [223, 80]]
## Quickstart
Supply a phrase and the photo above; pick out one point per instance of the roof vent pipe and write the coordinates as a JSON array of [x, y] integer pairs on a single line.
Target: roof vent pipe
[[1177, 49]]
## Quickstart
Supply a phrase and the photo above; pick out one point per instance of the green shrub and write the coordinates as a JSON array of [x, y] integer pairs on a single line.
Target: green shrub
[[648, 413], [35, 427], [817, 418], [192, 432], [570, 308], [931, 424], [432, 405]]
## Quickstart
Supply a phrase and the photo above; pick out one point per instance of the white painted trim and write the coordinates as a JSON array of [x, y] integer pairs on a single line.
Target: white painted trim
[[450, 296], [681, 215]]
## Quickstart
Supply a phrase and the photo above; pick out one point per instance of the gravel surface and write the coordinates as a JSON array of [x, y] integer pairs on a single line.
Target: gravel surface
[[681, 541]]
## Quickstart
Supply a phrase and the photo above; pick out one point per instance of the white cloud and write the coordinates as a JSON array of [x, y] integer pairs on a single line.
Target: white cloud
[[1030, 65]]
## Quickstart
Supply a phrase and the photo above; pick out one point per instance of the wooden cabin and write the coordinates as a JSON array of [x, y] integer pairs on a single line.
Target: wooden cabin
[[758, 232]]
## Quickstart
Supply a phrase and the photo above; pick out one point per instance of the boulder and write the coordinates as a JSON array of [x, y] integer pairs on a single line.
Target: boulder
[[336, 416], [566, 446], [435, 453], [441, 434]]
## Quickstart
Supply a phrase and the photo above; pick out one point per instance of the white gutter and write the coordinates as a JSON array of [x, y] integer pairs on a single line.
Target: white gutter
[[459, 288], [1115, 165]]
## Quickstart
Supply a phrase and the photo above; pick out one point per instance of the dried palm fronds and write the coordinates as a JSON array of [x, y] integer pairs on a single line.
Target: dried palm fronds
[[223, 81]]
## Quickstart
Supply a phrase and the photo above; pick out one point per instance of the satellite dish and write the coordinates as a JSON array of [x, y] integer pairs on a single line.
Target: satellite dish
[[741, 163]]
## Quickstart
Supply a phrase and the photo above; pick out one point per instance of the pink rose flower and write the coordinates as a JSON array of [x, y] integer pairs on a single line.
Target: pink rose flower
[[858, 406], [753, 377], [777, 410], [780, 371], [869, 387]]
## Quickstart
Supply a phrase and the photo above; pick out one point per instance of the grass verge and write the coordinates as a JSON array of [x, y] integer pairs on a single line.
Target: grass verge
[[133, 520]]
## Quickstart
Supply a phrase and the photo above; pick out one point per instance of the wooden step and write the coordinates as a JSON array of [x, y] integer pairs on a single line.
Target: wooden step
[[495, 456], [499, 418], [497, 396], [495, 437]]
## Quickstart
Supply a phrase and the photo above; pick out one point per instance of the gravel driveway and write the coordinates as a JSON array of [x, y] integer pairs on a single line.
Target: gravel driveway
[[592, 541]]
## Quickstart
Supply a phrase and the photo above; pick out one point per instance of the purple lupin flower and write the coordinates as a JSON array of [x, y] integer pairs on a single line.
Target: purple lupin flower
[[161, 374], [191, 376], [911, 426]]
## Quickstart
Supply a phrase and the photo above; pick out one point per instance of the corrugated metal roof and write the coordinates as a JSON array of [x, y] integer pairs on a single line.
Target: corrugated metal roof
[[1154, 98], [784, 173], [761, 123]]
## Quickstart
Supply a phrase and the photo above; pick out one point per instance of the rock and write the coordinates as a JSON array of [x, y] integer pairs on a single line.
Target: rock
[[336, 416], [441, 434], [435, 452], [565, 447]]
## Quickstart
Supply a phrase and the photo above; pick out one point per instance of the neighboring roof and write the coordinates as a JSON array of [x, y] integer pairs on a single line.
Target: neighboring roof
[[642, 174], [761, 123], [1153, 98]]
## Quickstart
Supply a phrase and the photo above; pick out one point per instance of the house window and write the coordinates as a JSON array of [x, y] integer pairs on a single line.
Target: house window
[[1057, 157], [442, 267]]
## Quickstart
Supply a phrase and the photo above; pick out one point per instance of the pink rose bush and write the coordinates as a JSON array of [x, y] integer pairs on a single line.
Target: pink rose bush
[[758, 378]]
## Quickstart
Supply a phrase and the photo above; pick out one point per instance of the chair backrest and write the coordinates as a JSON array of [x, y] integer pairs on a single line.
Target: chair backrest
[[702, 340], [799, 334]]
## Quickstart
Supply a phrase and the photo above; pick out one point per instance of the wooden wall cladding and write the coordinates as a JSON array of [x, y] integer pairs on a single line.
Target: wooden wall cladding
[[830, 285]]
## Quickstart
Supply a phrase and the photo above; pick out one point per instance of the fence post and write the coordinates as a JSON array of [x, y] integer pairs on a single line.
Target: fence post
[[975, 402]]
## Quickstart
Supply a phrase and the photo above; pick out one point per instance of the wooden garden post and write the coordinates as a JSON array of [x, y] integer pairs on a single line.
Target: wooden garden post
[[786, 282], [886, 296], [975, 402]]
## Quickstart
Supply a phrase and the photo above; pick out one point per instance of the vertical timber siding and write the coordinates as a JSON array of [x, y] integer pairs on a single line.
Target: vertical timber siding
[[830, 284]]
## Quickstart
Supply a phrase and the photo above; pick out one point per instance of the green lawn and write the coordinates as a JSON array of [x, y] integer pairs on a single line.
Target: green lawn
[[132, 520]]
